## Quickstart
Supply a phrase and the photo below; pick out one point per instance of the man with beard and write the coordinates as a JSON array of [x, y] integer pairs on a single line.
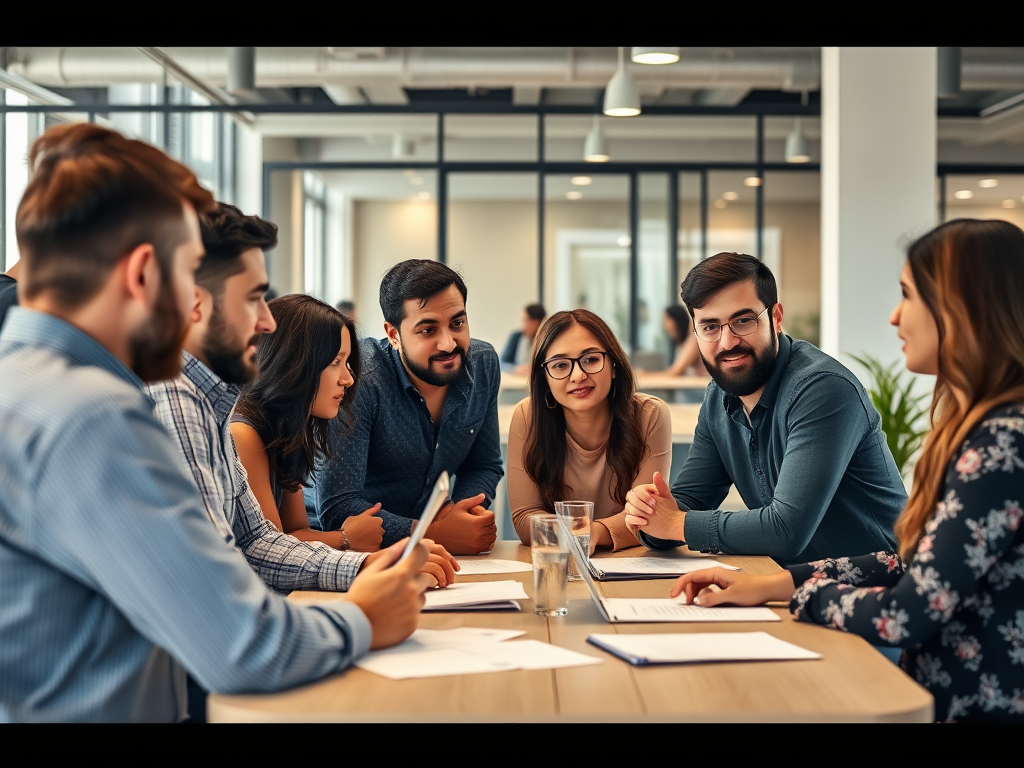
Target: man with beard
[[790, 426], [113, 583], [427, 403]]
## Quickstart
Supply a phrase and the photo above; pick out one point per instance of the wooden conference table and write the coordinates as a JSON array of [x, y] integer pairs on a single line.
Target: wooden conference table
[[852, 682]]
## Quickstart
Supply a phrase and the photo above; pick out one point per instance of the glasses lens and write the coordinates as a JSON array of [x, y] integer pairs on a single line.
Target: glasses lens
[[709, 331], [592, 363], [744, 326], [558, 369]]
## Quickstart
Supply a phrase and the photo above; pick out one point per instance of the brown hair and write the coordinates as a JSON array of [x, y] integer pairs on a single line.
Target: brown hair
[[227, 234], [970, 274], [545, 451], [722, 270], [94, 197]]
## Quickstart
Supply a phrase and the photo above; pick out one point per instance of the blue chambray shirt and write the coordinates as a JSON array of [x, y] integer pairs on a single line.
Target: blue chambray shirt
[[196, 408], [393, 453], [112, 580], [812, 465]]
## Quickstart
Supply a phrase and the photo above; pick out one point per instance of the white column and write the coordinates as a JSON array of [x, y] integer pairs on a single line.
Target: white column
[[878, 186]]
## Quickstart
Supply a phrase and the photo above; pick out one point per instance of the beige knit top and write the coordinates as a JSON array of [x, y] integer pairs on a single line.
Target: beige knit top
[[587, 473]]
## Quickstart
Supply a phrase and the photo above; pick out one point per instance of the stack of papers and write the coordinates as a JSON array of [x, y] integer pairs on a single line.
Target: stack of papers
[[647, 609], [477, 596], [711, 646], [471, 566], [614, 568], [467, 650]]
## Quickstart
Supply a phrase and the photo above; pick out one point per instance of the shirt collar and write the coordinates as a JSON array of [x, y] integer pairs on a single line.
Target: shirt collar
[[771, 388], [221, 395], [32, 328]]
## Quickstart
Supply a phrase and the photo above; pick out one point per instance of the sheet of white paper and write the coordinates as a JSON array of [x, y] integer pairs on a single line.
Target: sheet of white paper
[[476, 592], [472, 566], [430, 663], [665, 609], [710, 646], [646, 565], [460, 636], [533, 654]]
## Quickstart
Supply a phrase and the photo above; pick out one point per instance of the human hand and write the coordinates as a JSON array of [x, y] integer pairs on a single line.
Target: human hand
[[652, 508], [714, 586], [600, 536], [365, 532], [465, 528], [440, 565], [392, 597]]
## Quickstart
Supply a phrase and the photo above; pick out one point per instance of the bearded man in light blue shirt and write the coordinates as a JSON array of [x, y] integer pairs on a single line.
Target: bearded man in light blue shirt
[[113, 583]]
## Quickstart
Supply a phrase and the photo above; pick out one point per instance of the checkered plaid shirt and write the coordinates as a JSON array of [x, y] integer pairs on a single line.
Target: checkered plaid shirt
[[196, 408]]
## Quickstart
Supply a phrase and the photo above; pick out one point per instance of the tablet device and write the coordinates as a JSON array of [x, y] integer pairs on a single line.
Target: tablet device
[[434, 505]]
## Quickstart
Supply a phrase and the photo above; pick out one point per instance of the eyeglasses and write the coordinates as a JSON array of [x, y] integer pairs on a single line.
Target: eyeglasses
[[561, 367], [744, 325]]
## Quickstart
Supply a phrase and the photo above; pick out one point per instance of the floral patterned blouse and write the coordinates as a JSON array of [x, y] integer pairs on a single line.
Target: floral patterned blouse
[[957, 609]]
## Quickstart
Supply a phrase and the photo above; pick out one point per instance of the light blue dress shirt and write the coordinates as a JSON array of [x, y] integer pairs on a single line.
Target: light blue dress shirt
[[112, 580]]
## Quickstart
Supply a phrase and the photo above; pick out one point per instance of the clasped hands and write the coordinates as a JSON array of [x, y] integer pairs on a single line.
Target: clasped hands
[[652, 508]]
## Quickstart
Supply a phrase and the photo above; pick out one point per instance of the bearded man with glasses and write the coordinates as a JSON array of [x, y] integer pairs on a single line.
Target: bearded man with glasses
[[790, 426]]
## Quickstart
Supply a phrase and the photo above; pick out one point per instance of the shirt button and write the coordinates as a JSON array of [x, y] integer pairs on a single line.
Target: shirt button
[[471, 431]]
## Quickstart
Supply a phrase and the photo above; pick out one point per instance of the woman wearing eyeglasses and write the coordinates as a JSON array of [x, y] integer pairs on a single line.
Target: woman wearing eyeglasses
[[584, 433], [953, 595]]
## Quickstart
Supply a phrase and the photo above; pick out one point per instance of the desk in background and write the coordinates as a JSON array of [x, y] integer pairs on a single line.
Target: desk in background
[[852, 682]]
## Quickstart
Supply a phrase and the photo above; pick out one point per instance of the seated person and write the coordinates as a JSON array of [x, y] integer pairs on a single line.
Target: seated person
[[9, 290], [591, 436], [427, 402], [515, 358], [952, 596], [307, 372], [115, 582], [347, 308], [687, 361], [792, 428]]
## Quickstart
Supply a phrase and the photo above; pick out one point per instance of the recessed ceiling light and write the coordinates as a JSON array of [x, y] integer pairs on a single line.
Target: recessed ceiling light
[[720, 203], [574, 195], [416, 180], [582, 181], [424, 195], [624, 241], [963, 194], [752, 181], [730, 196], [409, 172], [655, 55], [1009, 204], [988, 183]]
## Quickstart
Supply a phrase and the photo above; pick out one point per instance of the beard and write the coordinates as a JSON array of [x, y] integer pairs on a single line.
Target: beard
[[155, 348], [430, 376], [743, 383], [223, 355]]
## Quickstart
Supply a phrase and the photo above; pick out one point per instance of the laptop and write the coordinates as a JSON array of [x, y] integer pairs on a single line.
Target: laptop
[[619, 610]]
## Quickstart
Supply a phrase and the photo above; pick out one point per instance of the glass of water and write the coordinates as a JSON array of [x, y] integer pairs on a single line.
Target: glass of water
[[550, 553], [580, 518]]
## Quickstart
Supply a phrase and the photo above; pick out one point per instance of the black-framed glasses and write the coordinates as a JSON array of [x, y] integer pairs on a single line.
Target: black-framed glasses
[[561, 367], [744, 325]]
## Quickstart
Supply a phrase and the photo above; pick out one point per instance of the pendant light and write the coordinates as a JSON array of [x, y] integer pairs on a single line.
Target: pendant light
[[655, 55], [621, 98], [796, 144], [595, 149]]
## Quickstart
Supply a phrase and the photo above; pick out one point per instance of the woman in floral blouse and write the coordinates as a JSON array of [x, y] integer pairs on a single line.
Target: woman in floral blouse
[[953, 597]]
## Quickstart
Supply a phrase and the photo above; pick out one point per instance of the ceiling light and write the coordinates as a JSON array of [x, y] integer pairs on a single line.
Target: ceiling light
[[624, 241], [963, 194], [416, 180], [988, 183], [752, 181], [621, 98], [424, 195], [595, 150], [796, 146], [241, 70], [582, 181], [574, 195], [720, 203], [409, 173], [402, 148], [1009, 204], [947, 72], [655, 55], [730, 196]]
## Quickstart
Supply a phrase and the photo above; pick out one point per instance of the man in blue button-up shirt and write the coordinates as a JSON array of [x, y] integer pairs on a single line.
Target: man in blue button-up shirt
[[427, 402], [791, 427]]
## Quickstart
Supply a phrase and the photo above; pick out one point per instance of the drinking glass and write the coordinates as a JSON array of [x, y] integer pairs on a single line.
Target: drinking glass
[[550, 553], [580, 518]]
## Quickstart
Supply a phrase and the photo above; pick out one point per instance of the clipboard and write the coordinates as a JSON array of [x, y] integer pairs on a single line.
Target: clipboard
[[434, 504]]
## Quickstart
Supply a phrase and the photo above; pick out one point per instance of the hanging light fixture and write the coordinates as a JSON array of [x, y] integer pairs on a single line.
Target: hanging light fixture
[[241, 71], [796, 144], [402, 148], [595, 150], [621, 98], [655, 55]]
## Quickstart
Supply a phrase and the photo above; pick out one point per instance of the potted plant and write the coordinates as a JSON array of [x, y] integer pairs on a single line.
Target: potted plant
[[903, 414]]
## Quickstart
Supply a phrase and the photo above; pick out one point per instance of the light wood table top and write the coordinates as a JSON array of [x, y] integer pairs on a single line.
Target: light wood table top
[[645, 382], [852, 682], [684, 420]]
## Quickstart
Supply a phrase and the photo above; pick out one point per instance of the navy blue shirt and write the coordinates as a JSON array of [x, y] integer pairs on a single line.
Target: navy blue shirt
[[393, 453], [812, 465]]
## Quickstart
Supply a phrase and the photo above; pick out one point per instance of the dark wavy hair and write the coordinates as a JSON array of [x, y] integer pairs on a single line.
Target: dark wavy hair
[[545, 452], [279, 399], [681, 322]]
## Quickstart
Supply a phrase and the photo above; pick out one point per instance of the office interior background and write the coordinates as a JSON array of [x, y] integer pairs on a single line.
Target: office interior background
[[504, 164]]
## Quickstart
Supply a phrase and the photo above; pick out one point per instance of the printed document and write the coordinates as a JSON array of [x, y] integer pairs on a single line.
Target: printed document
[[700, 646]]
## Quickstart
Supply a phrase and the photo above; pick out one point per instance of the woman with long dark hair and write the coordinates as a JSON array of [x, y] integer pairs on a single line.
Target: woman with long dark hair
[[584, 433], [953, 596], [308, 371], [687, 359]]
